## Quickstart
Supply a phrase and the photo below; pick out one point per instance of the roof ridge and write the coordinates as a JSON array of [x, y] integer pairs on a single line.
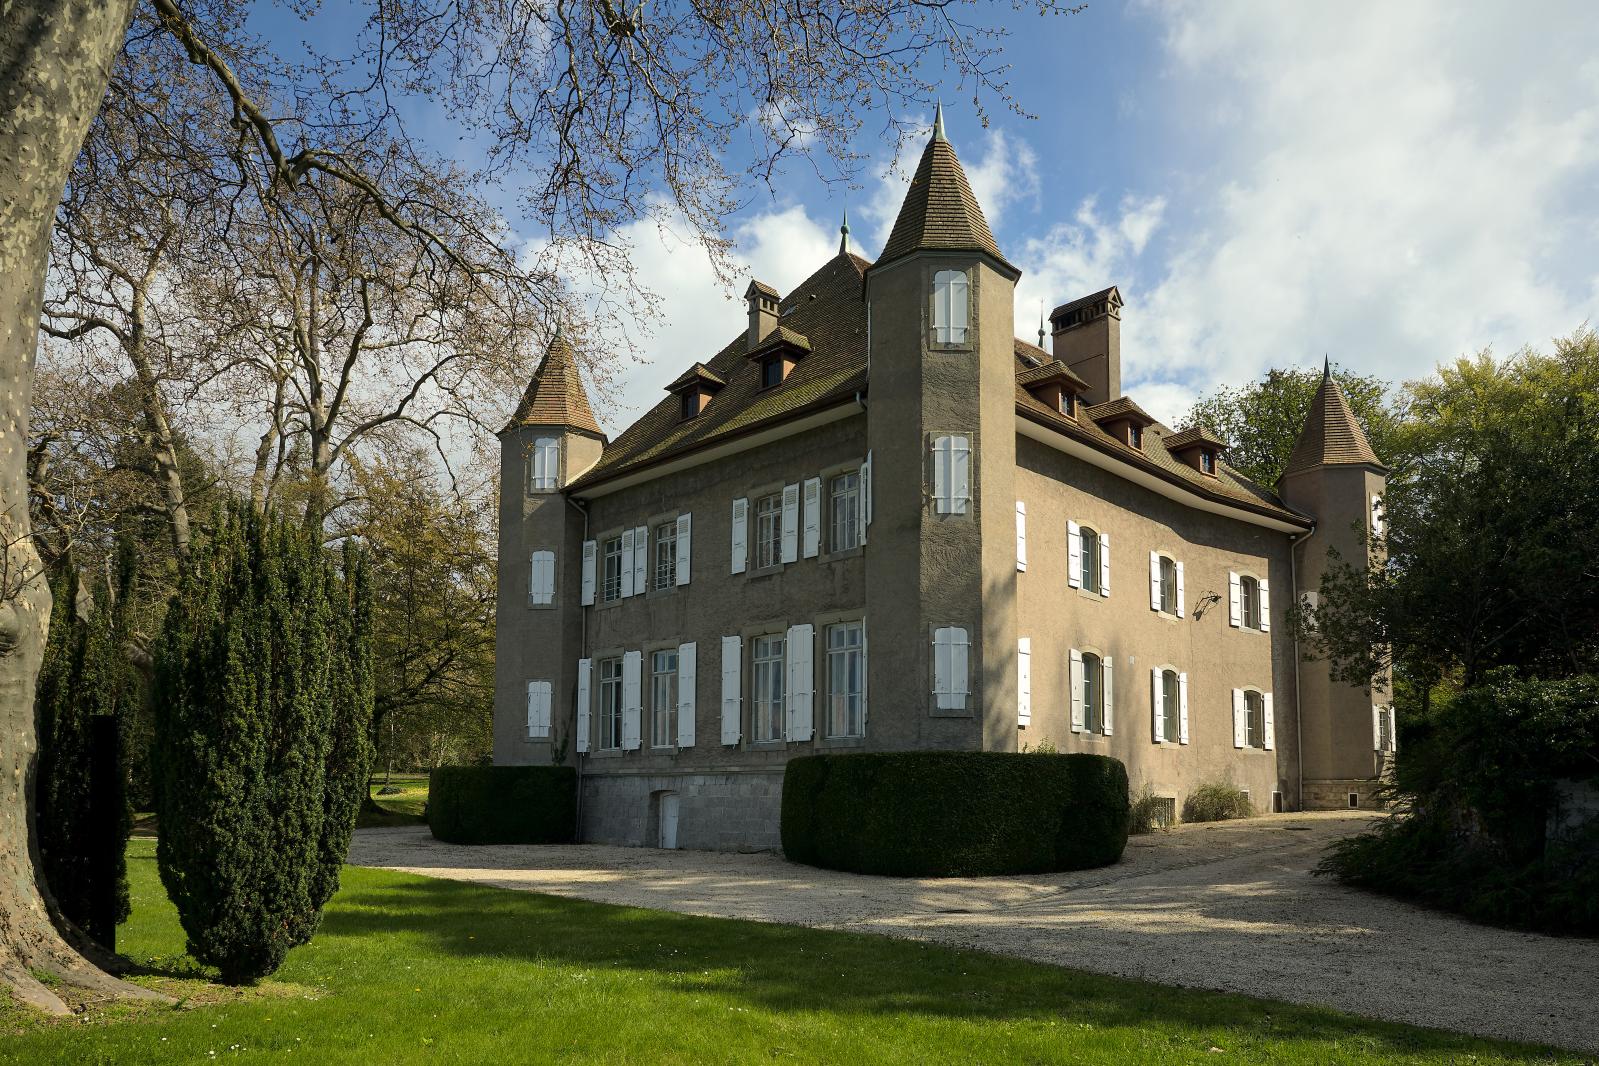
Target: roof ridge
[[1331, 435], [556, 396], [939, 209]]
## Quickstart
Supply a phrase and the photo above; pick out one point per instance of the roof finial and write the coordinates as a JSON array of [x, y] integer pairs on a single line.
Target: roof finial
[[843, 234], [1326, 366], [1041, 323], [938, 122]]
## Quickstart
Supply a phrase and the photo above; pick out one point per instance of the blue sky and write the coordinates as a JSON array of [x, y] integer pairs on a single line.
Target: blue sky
[[1391, 184]]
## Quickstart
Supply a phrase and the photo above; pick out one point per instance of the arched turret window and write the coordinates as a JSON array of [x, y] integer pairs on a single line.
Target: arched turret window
[[950, 298]]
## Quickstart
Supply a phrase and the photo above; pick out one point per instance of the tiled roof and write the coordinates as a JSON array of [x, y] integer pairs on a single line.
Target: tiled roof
[[555, 396], [1084, 301], [1331, 436], [1050, 371], [700, 374], [782, 337], [1176, 442], [1120, 407], [939, 209], [761, 287]]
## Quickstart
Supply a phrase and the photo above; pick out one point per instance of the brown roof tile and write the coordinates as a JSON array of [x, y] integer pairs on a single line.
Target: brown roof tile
[[1193, 435], [698, 374], [1051, 371], [1120, 407], [1084, 301], [782, 337], [555, 396], [1332, 436], [939, 210]]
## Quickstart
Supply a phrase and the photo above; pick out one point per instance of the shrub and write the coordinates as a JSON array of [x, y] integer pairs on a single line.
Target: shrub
[[1216, 801], [954, 814], [503, 804], [1142, 818]]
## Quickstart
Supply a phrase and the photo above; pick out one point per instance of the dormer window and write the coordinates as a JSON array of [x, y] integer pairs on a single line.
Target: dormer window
[[1207, 462], [1135, 436], [950, 299], [1066, 403], [691, 403], [771, 371], [694, 390]]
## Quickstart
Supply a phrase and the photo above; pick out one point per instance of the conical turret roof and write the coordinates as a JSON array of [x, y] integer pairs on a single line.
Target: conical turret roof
[[1331, 436], [939, 209], [555, 396]]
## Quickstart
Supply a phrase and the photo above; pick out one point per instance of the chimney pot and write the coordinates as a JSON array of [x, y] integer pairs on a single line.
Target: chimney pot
[[762, 300]]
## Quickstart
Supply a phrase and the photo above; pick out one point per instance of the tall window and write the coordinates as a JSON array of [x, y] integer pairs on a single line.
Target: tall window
[[1249, 602], [1090, 557], [1169, 693], [1093, 693], [611, 572], [610, 704], [663, 698], [1385, 729], [545, 469], [1207, 462], [1255, 718], [768, 530], [771, 371], [766, 684], [845, 509], [1168, 586], [541, 579], [666, 554], [950, 299], [952, 477], [846, 680]]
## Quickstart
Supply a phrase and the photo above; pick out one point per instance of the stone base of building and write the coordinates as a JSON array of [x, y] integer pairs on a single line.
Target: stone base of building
[[1350, 793], [728, 811]]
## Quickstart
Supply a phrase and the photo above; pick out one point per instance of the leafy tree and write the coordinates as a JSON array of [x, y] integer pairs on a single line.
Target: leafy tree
[[1261, 420], [263, 695]]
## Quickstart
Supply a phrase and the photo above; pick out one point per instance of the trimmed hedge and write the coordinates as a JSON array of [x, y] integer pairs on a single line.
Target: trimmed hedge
[[955, 813], [503, 804]]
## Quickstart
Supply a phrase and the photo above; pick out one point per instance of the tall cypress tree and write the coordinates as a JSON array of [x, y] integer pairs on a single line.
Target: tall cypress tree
[[253, 768]]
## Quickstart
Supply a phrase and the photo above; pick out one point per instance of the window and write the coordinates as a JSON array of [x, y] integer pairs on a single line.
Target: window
[[771, 371], [611, 582], [844, 499], [1171, 727], [846, 680], [1093, 693], [952, 483], [610, 705], [666, 555], [766, 685], [1089, 572], [768, 531], [1207, 462], [1168, 586], [1249, 602], [541, 578], [1254, 719], [1066, 403], [1384, 728], [1378, 526], [1135, 436], [663, 699], [951, 652], [949, 307], [538, 710], [691, 403], [546, 465]]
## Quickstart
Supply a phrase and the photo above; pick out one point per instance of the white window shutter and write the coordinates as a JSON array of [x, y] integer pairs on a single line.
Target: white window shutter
[[627, 563], [1235, 609], [1154, 581], [1182, 708], [960, 666], [1270, 730], [1104, 564], [641, 560], [813, 517], [538, 709], [1377, 526], [534, 578], [1393, 729], [1240, 719], [943, 685], [1179, 590], [1376, 728], [740, 548], [1077, 690], [585, 670], [1021, 535], [687, 680], [941, 484], [790, 523], [1156, 704], [941, 298], [549, 577], [632, 700], [957, 306], [685, 541], [1024, 680], [866, 674], [1074, 555], [588, 572], [732, 689], [866, 496], [1105, 665], [1265, 606], [960, 475], [800, 647]]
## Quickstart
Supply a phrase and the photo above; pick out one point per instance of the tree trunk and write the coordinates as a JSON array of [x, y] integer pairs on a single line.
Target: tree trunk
[[55, 60]]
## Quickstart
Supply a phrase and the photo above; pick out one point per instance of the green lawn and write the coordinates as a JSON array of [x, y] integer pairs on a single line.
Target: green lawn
[[402, 808], [408, 969]]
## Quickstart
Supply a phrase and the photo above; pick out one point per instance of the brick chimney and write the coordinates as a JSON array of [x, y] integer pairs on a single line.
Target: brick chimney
[[762, 300], [1088, 339]]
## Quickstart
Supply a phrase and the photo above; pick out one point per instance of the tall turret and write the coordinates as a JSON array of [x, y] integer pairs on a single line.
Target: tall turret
[[942, 434], [1334, 475], [551, 439]]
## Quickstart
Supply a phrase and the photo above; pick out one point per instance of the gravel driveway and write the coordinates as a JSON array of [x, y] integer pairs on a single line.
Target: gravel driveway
[[1231, 907]]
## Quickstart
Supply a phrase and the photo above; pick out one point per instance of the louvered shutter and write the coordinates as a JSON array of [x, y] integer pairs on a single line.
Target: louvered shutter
[[588, 572], [685, 541], [1270, 730], [941, 298], [1179, 590], [790, 523], [1157, 710], [960, 475], [1105, 664], [941, 484], [732, 689], [1393, 729], [1077, 690], [740, 548], [958, 300], [687, 680], [1154, 581], [1265, 606], [641, 560], [813, 517], [1104, 564], [632, 700], [800, 648], [943, 686], [1240, 719], [866, 674], [1024, 680], [960, 666], [1182, 708], [1021, 535], [535, 579], [1376, 728], [538, 709], [1074, 555], [627, 563], [585, 670], [865, 509], [1235, 608]]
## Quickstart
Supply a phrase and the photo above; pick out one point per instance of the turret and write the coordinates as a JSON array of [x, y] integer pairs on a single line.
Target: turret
[[550, 440]]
